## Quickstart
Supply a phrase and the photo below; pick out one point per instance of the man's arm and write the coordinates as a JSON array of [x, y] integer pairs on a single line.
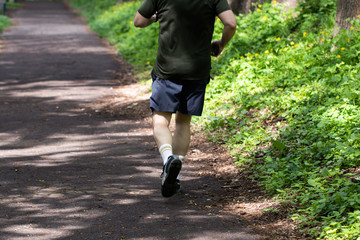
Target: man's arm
[[229, 21], [141, 21]]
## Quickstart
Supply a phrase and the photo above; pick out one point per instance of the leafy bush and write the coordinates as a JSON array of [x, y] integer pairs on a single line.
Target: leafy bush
[[284, 99], [13, 5], [115, 23], [289, 109], [4, 22]]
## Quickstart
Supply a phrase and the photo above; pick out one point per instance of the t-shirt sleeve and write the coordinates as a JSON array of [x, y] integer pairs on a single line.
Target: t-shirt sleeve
[[221, 6], [147, 8]]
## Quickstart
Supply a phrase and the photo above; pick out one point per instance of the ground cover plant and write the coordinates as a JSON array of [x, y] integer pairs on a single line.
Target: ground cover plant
[[284, 99], [115, 22], [13, 5], [4, 22]]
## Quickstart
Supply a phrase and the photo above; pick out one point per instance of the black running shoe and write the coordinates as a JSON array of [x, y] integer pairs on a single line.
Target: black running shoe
[[169, 183]]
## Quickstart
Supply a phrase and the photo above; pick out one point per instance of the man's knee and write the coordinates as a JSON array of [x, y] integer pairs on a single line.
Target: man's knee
[[182, 118], [161, 118]]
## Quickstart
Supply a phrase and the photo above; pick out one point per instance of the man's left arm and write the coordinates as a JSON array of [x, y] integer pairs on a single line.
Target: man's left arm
[[229, 21], [140, 21]]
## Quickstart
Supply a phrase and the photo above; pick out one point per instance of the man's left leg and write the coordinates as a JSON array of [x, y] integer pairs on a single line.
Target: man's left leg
[[181, 138]]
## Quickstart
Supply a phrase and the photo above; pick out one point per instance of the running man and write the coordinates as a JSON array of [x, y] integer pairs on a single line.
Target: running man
[[181, 71]]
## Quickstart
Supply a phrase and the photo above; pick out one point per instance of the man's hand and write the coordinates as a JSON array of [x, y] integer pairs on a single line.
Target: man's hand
[[216, 48]]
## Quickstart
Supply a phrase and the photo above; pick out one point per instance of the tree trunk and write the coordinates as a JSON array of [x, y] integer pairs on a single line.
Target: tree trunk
[[289, 3], [347, 9], [245, 6], [237, 6], [242, 6]]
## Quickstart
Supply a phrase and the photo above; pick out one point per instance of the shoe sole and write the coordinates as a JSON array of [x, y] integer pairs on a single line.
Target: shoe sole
[[168, 188]]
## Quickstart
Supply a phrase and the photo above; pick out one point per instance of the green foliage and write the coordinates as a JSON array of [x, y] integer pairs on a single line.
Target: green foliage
[[284, 99], [115, 23], [287, 102], [315, 14], [4, 22], [13, 5]]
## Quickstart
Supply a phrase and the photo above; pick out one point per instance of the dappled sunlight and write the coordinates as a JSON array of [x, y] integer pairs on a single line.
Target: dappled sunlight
[[60, 89], [6, 63], [32, 208], [254, 208], [40, 233], [126, 201], [8, 138], [144, 192]]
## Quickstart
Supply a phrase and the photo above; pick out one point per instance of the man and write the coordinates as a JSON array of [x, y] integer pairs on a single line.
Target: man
[[181, 72]]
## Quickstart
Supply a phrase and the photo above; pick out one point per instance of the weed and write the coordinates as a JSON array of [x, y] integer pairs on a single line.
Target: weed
[[4, 22]]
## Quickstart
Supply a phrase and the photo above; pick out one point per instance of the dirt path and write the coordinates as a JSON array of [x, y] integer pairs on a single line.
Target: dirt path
[[67, 172]]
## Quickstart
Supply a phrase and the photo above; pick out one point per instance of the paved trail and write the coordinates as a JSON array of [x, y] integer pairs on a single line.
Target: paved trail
[[65, 174]]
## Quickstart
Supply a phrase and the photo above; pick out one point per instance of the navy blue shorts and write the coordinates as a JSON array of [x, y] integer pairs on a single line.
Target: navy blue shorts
[[184, 96]]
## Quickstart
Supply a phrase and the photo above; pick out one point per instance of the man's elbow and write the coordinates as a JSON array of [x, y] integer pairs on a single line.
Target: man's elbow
[[232, 25], [230, 28], [138, 24], [140, 21]]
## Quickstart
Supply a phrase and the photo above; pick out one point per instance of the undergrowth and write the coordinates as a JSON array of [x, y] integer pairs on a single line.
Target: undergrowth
[[13, 5], [285, 99], [4, 22], [115, 23]]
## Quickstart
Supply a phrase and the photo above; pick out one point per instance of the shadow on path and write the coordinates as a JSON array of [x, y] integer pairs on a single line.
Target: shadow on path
[[69, 174]]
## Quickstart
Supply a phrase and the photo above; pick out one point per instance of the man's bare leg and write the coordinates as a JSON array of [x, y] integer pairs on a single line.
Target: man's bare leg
[[162, 133], [181, 138], [172, 164]]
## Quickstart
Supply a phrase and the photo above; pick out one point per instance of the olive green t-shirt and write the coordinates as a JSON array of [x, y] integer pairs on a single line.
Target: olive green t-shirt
[[185, 34]]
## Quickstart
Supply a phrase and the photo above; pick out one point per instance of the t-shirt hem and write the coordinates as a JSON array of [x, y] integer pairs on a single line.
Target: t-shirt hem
[[144, 15], [179, 78], [223, 10]]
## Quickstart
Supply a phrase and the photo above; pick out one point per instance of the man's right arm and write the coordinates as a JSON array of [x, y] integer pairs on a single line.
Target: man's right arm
[[141, 21], [229, 21]]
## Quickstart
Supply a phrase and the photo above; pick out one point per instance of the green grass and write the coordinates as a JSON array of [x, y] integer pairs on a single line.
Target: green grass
[[114, 22], [13, 5], [4, 22], [286, 99]]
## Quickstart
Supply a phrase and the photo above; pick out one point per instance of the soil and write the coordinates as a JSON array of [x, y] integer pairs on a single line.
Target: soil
[[78, 160]]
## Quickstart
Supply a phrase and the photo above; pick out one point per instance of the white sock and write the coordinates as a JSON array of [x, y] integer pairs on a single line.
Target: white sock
[[165, 151], [182, 158]]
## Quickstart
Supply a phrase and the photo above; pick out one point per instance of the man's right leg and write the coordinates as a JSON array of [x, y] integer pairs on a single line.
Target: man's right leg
[[162, 133], [172, 164]]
